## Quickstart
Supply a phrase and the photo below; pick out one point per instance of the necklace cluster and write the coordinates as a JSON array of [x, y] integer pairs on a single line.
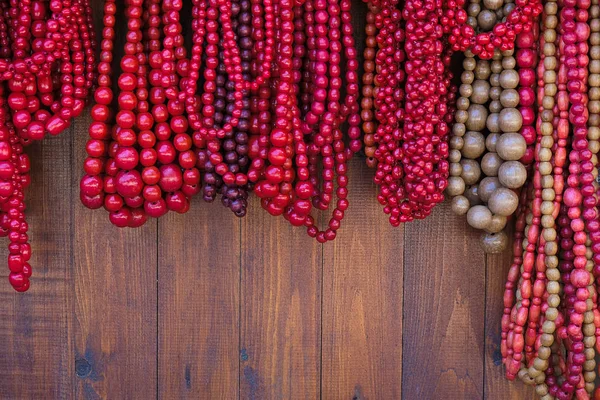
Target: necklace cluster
[[257, 105], [47, 69]]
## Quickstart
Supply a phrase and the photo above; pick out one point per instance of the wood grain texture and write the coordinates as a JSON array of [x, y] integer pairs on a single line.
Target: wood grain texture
[[37, 326], [198, 292], [444, 286], [116, 302], [496, 386], [362, 300], [280, 309]]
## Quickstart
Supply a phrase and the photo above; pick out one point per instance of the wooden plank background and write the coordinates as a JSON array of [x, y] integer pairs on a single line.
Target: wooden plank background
[[208, 306]]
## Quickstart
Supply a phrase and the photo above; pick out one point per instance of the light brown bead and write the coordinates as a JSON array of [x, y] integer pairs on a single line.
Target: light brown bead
[[477, 116], [460, 205], [471, 172], [503, 202], [455, 169], [509, 79], [511, 146], [482, 70], [490, 164], [509, 98], [456, 186], [487, 186], [457, 142], [491, 141], [481, 92], [493, 243], [512, 174], [495, 106], [493, 4], [493, 123], [473, 144], [479, 217], [498, 223], [472, 194], [486, 20], [510, 120]]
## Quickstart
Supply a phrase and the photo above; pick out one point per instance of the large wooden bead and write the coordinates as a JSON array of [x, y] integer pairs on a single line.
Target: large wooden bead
[[512, 174], [509, 79], [486, 20], [460, 205], [473, 144], [510, 120], [490, 164], [511, 146], [487, 186], [498, 223], [479, 217], [493, 4], [491, 140], [481, 92], [472, 194], [477, 116], [471, 172], [493, 123], [503, 202], [509, 98], [494, 243], [456, 186]]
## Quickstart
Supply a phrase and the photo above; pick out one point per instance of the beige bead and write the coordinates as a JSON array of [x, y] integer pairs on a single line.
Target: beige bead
[[460, 205], [455, 169], [493, 123], [456, 186], [473, 9], [477, 116], [503, 202], [512, 174], [459, 129], [491, 141], [486, 20], [510, 120], [467, 77], [493, 4], [496, 66], [493, 243], [498, 223], [472, 194], [474, 145], [482, 70], [481, 92], [454, 156], [469, 63], [463, 103], [495, 106], [471, 172], [511, 146], [487, 186], [479, 217], [495, 92], [509, 79], [456, 142], [509, 62], [465, 90], [490, 164], [509, 98]]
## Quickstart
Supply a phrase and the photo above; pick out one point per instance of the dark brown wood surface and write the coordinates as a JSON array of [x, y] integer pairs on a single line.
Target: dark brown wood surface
[[208, 306]]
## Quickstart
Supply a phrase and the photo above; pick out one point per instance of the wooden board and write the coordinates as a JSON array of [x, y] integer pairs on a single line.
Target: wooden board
[[280, 344], [444, 295], [362, 300], [198, 291], [37, 326], [116, 301]]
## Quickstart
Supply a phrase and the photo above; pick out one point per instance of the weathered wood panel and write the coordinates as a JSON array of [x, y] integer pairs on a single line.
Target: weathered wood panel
[[444, 295], [362, 300], [198, 298]]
